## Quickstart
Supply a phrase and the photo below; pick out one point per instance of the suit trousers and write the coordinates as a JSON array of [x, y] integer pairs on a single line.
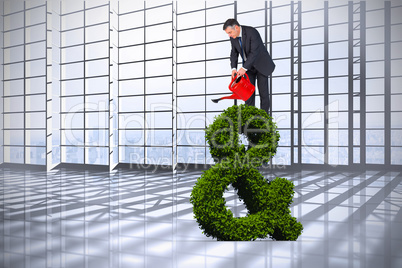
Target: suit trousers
[[263, 89]]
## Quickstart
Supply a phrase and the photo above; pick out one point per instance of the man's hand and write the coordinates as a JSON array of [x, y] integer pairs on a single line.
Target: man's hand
[[241, 72], [234, 72]]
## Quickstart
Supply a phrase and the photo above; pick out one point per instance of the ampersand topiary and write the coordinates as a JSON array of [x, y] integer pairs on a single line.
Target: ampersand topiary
[[267, 202]]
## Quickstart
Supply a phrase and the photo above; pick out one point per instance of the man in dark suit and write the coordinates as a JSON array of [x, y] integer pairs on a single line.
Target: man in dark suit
[[257, 62]]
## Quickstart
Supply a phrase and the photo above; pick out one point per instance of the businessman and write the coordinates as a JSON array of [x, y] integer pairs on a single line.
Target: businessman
[[257, 62]]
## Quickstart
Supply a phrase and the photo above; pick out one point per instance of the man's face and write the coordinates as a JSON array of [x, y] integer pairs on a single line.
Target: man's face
[[233, 32]]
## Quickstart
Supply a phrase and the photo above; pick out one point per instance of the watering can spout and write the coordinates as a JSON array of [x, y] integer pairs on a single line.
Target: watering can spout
[[241, 87]]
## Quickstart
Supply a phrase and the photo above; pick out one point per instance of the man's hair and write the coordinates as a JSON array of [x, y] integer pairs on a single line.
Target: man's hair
[[230, 23]]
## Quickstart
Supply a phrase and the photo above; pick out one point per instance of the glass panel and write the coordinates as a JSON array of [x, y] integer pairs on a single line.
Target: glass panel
[[281, 102], [35, 68], [131, 137], [97, 67], [159, 50], [159, 156], [396, 121], [313, 103], [97, 50], [158, 15], [285, 138], [97, 85], [97, 156], [282, 157], [132, 121], [72, 70], [71, 104], [35, 15], [97, 103], [97, 33], [14, 21], [131, 70], [71, 21], [281, 119], [13, 54], [14, 120], [132, 53], [72, 155], [396, 137], [159, 85], [160, 120], [131, 20], [189, 37], [217, 67], [36, 155], [159, 138], [396, 156], [313, 155], [159, 67], [375, 137], [215, 15], [338, 137], [191, 70], [131, 104], [72, 137], [374, 103], [197, 86], [73, 37], [131, 87], [313, 120], [374, 155], [35, 103], [35, 120], [13, 71], [96, 137], [35, 85], [312, 36], [13, 104], [35, 33], [215, 33], [159, 32], [158, 102], [131, 154], [338, 85], [72, 120], [191, 155], [338, 102], [14, 154], [191, 20], [338, 67], [375, 120], [313, 137], [97, 15], [13, 137], [72, 87], [13, 38], [396, 103], [191, 104], [97, 120], [72, 54], [15, 87], [338, 156], [314, 52]]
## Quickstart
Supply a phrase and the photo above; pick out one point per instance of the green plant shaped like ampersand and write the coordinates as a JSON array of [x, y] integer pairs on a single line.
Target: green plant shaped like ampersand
[[267, 202]]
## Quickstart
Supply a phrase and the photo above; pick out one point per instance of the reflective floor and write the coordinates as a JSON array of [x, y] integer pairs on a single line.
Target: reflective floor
[[69, 218]]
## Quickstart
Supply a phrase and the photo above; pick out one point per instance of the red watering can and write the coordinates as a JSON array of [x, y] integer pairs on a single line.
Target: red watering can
[[241, 87]]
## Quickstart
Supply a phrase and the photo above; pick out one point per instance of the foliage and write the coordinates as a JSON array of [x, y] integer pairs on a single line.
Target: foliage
[[267, 202]]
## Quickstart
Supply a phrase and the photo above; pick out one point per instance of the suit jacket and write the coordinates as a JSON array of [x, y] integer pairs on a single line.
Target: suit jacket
[[257, 55]]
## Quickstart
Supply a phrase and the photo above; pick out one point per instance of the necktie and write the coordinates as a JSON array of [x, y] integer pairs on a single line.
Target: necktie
[[241, 48]]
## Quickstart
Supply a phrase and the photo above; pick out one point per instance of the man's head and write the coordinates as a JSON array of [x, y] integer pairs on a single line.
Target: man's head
[[232, 28]]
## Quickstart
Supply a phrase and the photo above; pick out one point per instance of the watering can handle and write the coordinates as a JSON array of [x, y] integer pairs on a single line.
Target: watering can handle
[[235, 77]]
